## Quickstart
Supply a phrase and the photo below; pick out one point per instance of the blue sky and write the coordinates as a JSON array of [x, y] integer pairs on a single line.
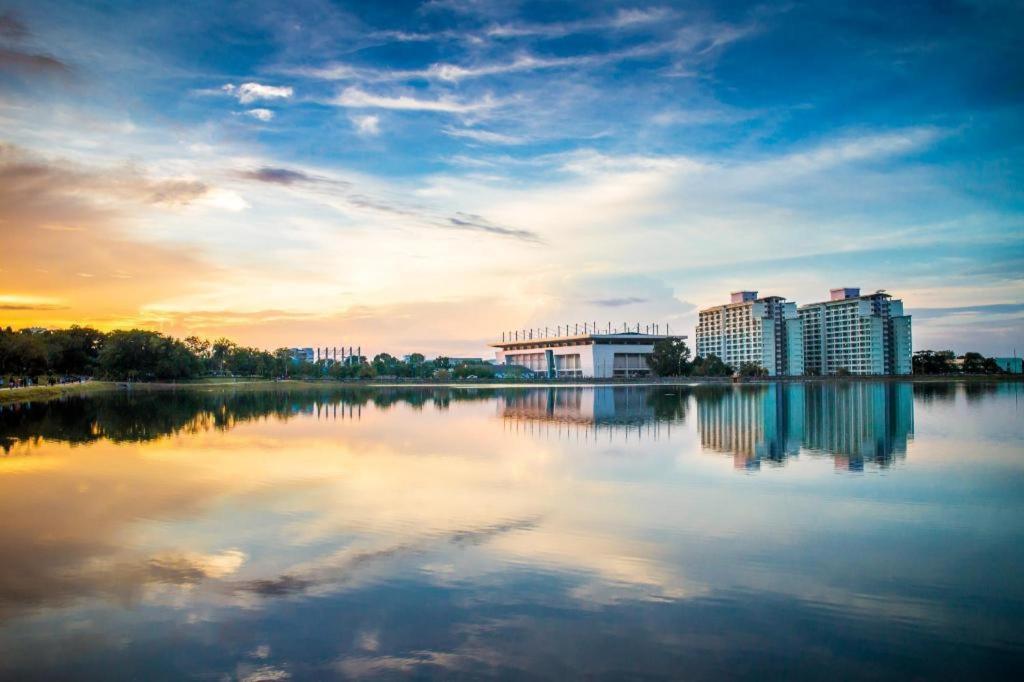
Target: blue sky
[[421, 176]]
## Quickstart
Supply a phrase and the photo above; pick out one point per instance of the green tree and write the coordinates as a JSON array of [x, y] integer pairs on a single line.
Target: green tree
[[710, 366], [74, 350], [752, 369], [934, 362], [976, 363], [138, 354], [670, 358], [22, 353]]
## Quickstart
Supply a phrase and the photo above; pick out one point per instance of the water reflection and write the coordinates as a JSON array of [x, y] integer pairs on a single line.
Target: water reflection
[[856, 422], [442, 533]]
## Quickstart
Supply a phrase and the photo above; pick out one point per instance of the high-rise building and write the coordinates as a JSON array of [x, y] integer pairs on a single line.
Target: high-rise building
[[765, 331], [856, 334]]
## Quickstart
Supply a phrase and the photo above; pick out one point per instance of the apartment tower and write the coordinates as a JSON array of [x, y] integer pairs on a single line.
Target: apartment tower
[[765, 331], [855, 334]]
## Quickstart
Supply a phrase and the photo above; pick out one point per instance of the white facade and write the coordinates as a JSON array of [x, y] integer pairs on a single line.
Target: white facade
[[763, 331], [856, 334], [597, 356]]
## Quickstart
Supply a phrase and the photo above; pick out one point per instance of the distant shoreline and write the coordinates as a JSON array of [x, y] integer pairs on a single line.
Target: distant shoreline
[[46, 393]]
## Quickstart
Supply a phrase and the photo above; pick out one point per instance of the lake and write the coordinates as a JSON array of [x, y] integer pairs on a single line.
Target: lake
[[819, 530]]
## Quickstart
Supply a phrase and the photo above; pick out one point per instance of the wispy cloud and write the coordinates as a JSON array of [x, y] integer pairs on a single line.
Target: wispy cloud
[[469, 221], [625, 18], [278, 176], [19, 60], [618, 302], [357, 98], [486, 136]]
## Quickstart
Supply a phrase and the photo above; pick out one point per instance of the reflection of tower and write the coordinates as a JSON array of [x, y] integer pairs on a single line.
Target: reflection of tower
[[855, 422], [752, 423], [859, 421]]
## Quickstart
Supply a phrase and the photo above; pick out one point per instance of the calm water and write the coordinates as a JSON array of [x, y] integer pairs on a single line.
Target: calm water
[[868, 530]]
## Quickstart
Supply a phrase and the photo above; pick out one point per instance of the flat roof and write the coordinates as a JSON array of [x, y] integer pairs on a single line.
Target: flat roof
[[577, 339], [740, 303], [837, 301]]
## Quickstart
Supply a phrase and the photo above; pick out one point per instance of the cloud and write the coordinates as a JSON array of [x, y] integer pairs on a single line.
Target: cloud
[[367, 125], [624, 18], [278, 176], [485, 136], [25, 63], [469, 221], [11, 27], [20, 171], [965, 311], [247, 93], [261, 114], [357, 98], [617, 302], [20, 62]]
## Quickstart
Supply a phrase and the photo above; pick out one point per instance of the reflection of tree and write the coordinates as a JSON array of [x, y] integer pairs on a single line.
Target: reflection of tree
[[931, 392], [146, 415]]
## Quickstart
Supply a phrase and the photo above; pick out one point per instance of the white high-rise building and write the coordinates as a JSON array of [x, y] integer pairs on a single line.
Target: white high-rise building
[[764, 331], [856, 334]]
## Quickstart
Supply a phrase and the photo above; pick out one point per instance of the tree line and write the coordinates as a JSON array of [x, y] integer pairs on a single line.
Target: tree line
[[945, 362], [139, 355]]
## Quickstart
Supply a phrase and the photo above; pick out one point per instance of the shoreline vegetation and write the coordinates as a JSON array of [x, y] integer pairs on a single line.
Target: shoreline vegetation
[[37, 364], [34, 394]]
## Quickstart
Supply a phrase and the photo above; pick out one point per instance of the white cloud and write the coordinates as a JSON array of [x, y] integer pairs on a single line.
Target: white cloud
[[367, 125], [486, 136], [360, 99], [247, 93], [261, 114]]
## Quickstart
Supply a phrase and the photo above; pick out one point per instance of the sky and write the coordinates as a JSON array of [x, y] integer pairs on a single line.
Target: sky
[[423, 176]]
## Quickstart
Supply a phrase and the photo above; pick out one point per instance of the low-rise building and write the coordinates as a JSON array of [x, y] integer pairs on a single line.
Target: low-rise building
[[764, 331], [588, 355], [855, 334], [1013, 365]]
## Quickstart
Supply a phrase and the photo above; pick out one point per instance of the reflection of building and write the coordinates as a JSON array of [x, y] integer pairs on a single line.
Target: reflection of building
[[594, 355], [763, 331], [750, 423], [855, 422], [580, 404], [856, 334], [859, 421], [584, 412]]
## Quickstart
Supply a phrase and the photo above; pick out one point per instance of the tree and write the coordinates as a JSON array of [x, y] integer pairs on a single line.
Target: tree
[[22, 353], [75, 350], [710, 366], [976, 363], [139, 354], [442, 362], [670, 358], [386, 364], [934, 362], [752, 369]]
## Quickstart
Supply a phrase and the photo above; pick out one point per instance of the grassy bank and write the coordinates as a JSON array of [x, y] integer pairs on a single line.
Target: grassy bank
[[44, 393]]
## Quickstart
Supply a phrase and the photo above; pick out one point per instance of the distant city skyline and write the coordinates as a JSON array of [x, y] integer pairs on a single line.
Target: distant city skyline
[[418, 177]]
